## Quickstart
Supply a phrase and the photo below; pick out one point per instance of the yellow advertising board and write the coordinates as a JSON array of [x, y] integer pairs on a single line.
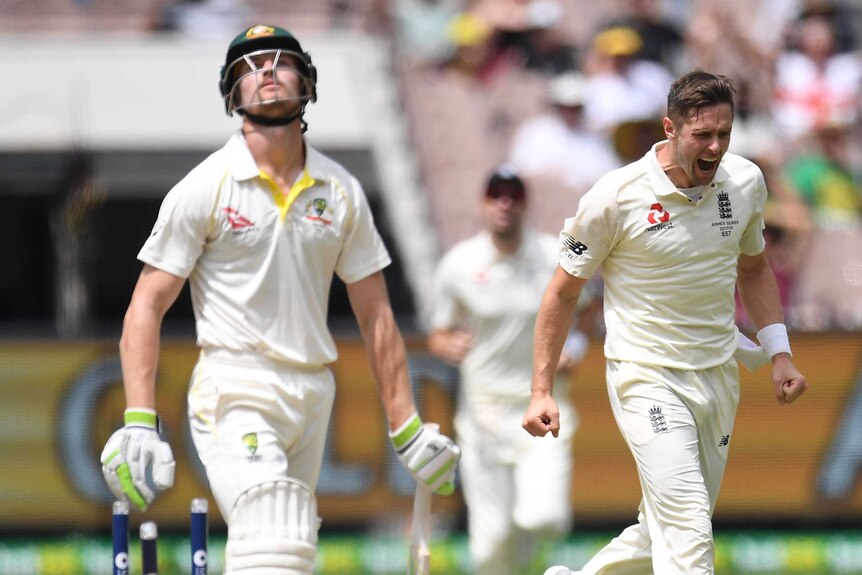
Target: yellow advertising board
[[61, 401]]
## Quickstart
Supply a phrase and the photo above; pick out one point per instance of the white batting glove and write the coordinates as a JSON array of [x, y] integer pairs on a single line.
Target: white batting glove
[[748, 353], [130, 452], [429, 456]]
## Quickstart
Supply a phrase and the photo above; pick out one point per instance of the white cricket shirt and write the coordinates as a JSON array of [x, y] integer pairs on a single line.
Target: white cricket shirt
[[259, 260], [669, 263], [496, 297]]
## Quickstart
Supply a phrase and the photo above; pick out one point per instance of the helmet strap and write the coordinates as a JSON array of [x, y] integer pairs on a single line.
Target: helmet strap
[[275, 121]]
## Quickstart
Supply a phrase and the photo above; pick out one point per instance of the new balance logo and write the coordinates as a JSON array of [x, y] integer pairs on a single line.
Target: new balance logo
[[656, 418], [573, 246], [725, 439]]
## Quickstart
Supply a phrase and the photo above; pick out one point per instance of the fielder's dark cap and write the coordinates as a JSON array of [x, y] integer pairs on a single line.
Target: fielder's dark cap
[[505, 177]]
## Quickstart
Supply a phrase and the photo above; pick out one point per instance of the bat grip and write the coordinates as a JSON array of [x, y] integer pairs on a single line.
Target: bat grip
[[420, 542]]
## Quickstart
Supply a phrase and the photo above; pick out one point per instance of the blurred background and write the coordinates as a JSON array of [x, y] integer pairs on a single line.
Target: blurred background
[[106, 104]]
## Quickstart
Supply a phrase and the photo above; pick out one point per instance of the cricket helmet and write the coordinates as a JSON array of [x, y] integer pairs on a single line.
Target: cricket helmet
[[263, 39]]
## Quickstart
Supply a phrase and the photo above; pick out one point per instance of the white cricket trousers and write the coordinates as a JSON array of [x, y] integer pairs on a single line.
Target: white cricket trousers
[[677, 424], [516, 487], [255, 420]]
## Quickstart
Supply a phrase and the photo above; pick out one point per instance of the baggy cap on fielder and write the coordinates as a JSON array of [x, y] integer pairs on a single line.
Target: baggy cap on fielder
[[505, 177]]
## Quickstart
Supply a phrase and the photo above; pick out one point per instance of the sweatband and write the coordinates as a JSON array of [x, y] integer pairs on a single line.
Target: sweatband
[[774, 339], [142, 417]]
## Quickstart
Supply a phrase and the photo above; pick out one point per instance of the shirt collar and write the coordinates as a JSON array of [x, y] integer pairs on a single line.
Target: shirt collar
[[315, 163], [243, 166], [659, 180]]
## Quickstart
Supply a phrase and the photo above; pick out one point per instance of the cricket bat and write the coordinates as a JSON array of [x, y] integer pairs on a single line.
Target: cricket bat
[[420, 536], [419, 562]]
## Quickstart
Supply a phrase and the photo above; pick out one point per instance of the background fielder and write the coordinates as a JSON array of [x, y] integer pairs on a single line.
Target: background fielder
[[487, 293], [259, 228]]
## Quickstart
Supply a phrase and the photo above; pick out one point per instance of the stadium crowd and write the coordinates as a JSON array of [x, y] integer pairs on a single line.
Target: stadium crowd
[[566, 89], [525, 81]]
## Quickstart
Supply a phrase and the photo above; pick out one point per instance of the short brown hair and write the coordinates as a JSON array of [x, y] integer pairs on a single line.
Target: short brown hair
[[696, 90]]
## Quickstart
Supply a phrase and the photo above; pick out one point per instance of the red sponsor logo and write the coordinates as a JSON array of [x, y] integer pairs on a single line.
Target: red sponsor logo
[[657, 214], [237, 221]]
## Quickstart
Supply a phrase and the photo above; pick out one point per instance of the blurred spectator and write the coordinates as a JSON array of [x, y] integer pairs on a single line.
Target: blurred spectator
[[718, 38], [620, 87], [766, 27], [517, 15], [770, 22], [787, 233], [843, 17], [203, 19], [662, 39], [422, 29], [477, 53], [755, 133], [372, 16], [539, 39], [828, 293], [555, 149], [823, 176], [813, 82], [788, 223], [634, 138], [517, 33], [546, 51]]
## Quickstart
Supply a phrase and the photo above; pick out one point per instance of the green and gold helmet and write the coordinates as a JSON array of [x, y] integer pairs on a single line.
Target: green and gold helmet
[[263, 39]]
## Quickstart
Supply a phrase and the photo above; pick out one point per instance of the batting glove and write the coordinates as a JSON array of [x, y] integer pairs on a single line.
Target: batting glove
[[131, 452], [428, 455]]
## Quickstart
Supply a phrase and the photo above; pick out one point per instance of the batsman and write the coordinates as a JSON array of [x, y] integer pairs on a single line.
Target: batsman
[[259, 228]]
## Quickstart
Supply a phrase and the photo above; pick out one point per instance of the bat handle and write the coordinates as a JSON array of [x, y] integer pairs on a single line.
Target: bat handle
[[420, 545], [420, 551]]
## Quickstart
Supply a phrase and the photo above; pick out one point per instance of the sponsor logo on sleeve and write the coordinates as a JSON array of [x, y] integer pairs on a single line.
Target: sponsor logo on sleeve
[[573, 247], [158, 227]]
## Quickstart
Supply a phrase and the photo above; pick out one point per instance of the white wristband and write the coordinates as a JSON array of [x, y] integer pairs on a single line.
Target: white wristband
[[774, 340]]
